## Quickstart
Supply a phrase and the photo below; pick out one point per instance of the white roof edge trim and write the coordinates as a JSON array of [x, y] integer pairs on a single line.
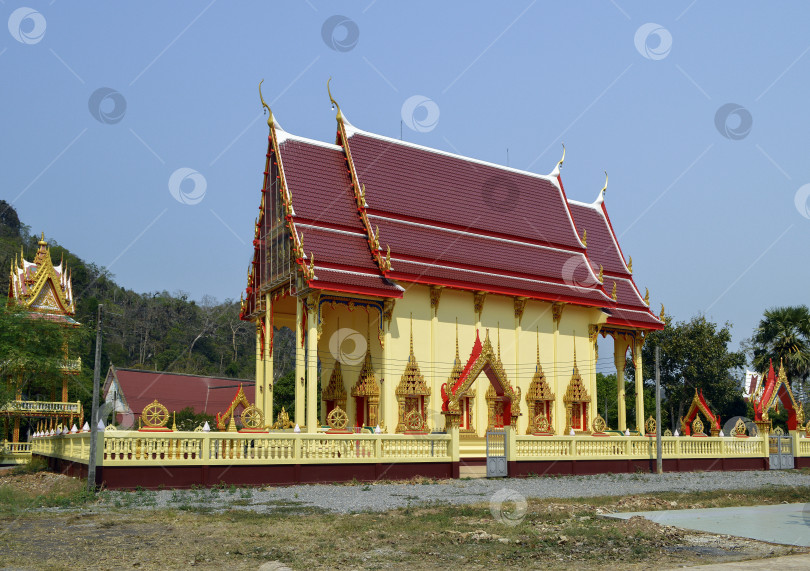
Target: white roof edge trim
[[465, 233], [399, 287], [356, 131], [314, 227], [284, 136], [566, 286]]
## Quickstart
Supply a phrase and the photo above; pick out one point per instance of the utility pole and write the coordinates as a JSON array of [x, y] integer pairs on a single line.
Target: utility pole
[[658, 452], [91, 465]]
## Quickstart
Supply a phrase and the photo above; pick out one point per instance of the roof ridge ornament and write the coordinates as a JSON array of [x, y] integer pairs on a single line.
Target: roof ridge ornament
[[558, 166], [332, 99], [270, 119], [601, 198]]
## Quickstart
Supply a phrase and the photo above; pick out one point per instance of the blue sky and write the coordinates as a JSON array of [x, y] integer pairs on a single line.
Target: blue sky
[[716, 219]]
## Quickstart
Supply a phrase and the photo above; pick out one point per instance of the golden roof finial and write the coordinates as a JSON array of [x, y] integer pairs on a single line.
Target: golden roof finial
[[270, 120], [411, 333], [647, 296], [456, 337], [613, 293], [661, 317], [630, 264], [604, 188], [42, 241], [332, 99], [538, 345], [585, 238], [562, 160]]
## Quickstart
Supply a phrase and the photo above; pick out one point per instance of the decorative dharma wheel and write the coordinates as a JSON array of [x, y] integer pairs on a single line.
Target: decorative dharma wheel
[[599, 424], [155, 415], [649, 426], [739, 428], [413, 420], [337, 419], [252, 417], [541, 423]]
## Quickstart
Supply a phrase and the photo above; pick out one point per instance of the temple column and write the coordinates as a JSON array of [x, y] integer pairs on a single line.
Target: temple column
[[386, 374], [269, 370], [638, 343], [312, 363], [260, 394], [15, 435], [619, 359], [300, 363], [593, 408], [64, 387]]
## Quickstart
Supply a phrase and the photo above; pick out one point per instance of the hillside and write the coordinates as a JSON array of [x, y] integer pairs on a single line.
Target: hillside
[[156, 330]]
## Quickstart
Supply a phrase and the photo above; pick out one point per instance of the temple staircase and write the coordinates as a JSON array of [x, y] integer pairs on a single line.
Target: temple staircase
[[473, 457]]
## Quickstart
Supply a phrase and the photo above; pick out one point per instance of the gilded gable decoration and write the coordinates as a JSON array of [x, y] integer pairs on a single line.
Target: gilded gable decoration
[[576, 401], [539, 398], [435, 296], [334, 395], [482, 359], [412, 393]]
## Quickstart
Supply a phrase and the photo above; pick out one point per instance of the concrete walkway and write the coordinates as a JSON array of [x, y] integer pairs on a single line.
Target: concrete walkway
[[787, 563], [788, 524]]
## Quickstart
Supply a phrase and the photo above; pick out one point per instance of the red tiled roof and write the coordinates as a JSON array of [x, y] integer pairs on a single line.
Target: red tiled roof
[[175, 391], [326, 215], [407, 180], [448, 220], [604, 250]]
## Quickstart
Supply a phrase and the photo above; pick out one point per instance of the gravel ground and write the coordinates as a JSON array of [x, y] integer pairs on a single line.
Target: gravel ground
[[378, 497]]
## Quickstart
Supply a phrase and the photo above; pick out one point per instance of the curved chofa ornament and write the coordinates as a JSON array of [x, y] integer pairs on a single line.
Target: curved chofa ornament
[[482, 359], [558, 166], [270, 119], [332, 99]]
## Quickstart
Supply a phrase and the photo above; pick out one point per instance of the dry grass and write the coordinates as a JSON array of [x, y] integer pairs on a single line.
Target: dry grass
[[554, 534]]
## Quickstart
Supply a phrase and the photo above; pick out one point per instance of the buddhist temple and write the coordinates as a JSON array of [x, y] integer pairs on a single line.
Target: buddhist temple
[[407, 271], [45, 291]]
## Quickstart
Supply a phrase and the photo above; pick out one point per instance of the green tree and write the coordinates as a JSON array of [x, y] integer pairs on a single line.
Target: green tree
[[32, 354], [783, 335], [694, 356]]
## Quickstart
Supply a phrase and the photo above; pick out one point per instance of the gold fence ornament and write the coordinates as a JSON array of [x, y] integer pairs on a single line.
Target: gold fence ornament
[[252, 417], [650, 426], [155, 415], [337, 419], [667, 432], [739, 428], [599, 425]]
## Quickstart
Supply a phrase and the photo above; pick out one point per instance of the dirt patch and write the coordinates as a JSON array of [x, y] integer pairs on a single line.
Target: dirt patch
[[39, 483]]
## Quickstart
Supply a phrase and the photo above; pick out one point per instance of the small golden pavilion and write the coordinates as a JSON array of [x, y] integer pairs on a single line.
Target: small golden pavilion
[[46, 292], [429, 290]]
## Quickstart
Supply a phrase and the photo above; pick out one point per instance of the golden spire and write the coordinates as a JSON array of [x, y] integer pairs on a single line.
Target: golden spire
[[630, 264], [457, 338], [332, 99], [585, 238], [647, 296], [538, 346], [412, 335], [270, 120], [661, 317], [613, 293]]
